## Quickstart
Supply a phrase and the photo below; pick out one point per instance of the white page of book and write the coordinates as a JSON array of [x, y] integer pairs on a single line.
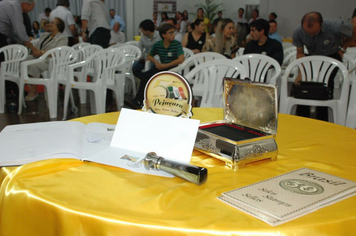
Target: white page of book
[[97, 137], [25, 143], [20, 144]]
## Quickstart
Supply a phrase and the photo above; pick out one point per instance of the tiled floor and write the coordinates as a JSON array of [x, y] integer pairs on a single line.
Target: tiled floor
[[37, 111]]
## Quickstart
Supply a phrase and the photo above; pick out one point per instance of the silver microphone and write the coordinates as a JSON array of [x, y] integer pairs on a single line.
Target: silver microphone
[[195, 174]]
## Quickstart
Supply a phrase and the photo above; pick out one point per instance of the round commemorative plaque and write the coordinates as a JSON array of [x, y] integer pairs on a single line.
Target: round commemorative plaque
[[168, 93]]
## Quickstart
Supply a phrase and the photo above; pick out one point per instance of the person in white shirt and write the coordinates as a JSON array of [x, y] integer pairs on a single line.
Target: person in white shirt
[[63, 13], [241, 18], [117, 36], [95, 18], [44, 15], [182, 25]]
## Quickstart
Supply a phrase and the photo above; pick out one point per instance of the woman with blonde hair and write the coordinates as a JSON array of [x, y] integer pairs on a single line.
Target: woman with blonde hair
[[224, 41]]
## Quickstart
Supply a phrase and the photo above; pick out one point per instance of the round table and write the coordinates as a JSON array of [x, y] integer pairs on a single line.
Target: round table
[[72, 197]]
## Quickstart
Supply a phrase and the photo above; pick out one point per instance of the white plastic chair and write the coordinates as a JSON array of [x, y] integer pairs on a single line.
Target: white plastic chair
[[106, 63], [351, 53], [132, 53], [60, 58], [317, 69], [82, 73], [10, 68], [351, 111], [259, 67], [133, 42], [240, 52], [350, 64], [78, 47], [211, 75], [286, 45], [196, 60], [187, 53], [289, 55]]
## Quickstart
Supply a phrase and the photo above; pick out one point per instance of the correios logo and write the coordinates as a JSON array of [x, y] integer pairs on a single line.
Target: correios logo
[[301, 186]]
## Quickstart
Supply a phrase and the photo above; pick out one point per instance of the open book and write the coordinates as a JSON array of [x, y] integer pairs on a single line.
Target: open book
[[289, 196], [123, 145], [25, 143]]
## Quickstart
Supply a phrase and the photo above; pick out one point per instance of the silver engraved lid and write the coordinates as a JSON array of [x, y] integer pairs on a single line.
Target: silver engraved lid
[[250, 104]]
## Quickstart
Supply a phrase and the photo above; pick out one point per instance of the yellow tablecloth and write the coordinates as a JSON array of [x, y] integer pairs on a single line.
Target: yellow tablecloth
[[71, 197]]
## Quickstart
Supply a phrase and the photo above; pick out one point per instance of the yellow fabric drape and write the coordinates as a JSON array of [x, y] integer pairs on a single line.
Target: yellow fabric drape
[[71, 197]]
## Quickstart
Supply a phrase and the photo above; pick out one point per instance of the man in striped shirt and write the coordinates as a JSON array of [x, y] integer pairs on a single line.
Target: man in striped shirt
[[170, 53]]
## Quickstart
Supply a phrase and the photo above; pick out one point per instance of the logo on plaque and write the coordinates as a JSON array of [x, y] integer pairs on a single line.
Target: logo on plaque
[[301, 186], [168, 93]]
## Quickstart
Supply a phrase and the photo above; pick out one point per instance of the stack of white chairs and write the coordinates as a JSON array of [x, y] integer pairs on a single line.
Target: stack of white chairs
[[260, 68], [289, 55], [351, 53], [133, 42], [132, 53], [350, 62], [317, 69], [83, 72], [106, 63], [213, 72], [10, 68], [59, 60], [196, 60], [240, 52], [286, 45], [187, 53], [198, 80], [78, 47]]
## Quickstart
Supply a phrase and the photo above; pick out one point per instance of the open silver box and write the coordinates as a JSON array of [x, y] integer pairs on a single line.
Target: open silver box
[[246, 134]]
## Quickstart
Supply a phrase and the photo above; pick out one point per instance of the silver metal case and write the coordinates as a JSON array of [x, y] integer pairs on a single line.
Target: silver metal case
[[246, 134]]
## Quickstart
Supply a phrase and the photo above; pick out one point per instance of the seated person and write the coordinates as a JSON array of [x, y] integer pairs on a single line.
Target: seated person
[[36, 29], [148, 37], [47, 41], [261, 43], [322, 38], [170, 53], [273, 34], [117, 36], [195, 40], [224, 41], [178, 36]]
